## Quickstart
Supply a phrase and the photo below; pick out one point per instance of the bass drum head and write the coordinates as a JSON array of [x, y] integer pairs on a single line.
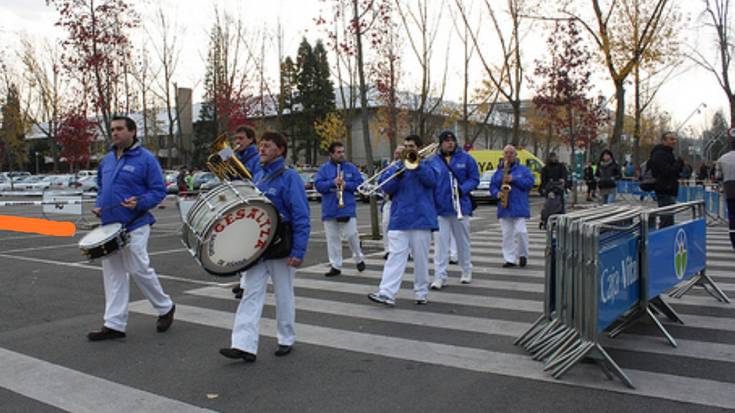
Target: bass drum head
[[100, 235], [239, 238]]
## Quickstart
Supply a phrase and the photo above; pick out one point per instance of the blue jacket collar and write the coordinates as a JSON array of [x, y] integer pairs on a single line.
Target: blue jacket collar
[[274, 165], [249, 150], [136, 144]]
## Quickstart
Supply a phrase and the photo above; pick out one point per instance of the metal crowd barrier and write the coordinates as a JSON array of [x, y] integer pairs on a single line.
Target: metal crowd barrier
[[606, 268]]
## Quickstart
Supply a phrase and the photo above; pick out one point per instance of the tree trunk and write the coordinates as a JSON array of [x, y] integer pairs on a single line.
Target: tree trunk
[[614, 141], [638, 114], [365, 121], [516, 137]]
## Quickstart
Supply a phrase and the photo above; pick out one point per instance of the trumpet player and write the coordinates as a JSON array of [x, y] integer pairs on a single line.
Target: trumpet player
[[412, 218], [385, 217], [337, 181], [511, 185], [458, 175]]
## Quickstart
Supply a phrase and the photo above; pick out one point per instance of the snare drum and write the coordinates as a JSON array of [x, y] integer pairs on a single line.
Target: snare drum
[[103, 240], [229, 228]]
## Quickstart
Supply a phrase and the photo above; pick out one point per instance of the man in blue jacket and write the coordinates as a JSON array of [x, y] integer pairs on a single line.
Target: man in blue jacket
[[340, 222], [412, 218], [283, 186], [456, 167], [129, 183], [247, 153], [513, 218]]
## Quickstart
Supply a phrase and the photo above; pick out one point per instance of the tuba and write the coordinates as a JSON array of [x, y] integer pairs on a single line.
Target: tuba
[[505, 188], [224, 163]]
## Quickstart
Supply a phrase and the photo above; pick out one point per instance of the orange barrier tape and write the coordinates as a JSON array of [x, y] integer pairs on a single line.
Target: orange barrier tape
[[37, 226]]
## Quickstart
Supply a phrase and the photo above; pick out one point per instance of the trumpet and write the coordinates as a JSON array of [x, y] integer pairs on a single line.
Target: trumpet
[[410, 159], [224, 163], [340, 188]]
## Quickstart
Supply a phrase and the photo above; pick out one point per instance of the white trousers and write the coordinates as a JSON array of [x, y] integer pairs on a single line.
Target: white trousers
[[385, 220], [515, 238], [450, 226], [453, 248], [245, 331], [336, 232], [416, 241], [117, 269]]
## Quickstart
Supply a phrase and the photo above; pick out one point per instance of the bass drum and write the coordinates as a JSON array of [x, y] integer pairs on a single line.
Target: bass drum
[[229, 228]]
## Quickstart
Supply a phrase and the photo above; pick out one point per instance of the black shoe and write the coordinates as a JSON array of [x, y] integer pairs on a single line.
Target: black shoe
[[105, 334], [508, 265], [385, 257], [524, 261], [164, 322], [333, 272], [238, 292], [361, 266], [233, 353], [453, 262], [283, 350]]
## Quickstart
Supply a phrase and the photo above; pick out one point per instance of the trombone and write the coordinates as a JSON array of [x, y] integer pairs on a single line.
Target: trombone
[[410, 160]]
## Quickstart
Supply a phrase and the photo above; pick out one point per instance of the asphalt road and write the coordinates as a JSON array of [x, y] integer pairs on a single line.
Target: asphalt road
[[454, 354]]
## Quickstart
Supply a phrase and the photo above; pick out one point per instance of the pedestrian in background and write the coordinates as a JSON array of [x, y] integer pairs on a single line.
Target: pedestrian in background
[[726, 173], [666, 168], [608, 174]]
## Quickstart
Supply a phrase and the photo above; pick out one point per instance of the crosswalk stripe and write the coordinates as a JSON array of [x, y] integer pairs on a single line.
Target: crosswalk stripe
[[75, 391], [509, 329], [666, 386]]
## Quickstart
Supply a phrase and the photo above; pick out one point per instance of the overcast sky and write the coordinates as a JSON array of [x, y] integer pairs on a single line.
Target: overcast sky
[[33, 19]]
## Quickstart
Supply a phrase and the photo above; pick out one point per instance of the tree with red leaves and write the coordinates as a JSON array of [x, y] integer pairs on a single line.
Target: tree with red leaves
[[96, 53], [76, 132]]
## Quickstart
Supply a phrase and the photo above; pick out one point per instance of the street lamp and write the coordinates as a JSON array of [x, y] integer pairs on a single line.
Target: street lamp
[[698, 109], [37, 153]]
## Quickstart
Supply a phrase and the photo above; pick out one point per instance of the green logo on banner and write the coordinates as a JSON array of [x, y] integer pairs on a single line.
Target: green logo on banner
[[680, 253]]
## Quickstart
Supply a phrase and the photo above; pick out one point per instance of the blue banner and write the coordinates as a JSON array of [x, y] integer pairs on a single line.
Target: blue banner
[[619, 288], [675, 254]]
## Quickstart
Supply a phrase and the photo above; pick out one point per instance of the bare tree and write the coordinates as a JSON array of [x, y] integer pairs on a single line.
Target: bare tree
[[507, 77], [717, 19]]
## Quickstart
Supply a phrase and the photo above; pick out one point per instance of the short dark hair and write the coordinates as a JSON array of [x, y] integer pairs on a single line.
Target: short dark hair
[[415, 139], [334, 145], [129, 123], [665, 134], [277, 139], [247, 130]]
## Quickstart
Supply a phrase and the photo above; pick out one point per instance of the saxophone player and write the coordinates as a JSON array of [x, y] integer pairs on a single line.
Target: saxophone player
[[511, 185], [337, 180]]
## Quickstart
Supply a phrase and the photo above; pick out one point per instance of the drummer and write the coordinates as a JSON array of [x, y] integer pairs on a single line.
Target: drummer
[[130, 183], [285, 189]]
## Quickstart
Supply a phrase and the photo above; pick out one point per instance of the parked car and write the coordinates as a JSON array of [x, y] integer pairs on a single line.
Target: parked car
[[482, 192], [65, 181], [169, 179], [86, 172], [202, 177], [87, 184], [34, 182], [311, 193]]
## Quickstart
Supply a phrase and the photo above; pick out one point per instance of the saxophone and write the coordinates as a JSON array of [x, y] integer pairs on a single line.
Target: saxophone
[[505, 188]]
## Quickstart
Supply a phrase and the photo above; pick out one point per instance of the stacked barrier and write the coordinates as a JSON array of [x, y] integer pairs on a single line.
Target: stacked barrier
[[606, 268]]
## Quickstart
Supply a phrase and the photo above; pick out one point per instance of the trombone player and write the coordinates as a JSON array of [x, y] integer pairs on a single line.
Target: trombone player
[[510, 185], [412, 218], [458, 176], [337, 181]]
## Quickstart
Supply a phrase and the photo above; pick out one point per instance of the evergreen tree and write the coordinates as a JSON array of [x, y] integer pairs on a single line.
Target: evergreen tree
[[286, 101], [12, 132], [208, 127]]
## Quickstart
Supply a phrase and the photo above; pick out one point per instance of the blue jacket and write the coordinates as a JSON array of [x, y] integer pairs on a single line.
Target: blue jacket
[[324, 183], [250, 158], [412, 196], [465, 167], [137, 173], [287, 193], [520, 186]]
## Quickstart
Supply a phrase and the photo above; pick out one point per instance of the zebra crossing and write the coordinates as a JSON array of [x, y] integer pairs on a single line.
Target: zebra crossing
[[472, 327]]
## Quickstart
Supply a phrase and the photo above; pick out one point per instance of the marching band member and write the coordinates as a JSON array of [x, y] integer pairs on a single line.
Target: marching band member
[[247, 152], [284, 187], [412, 218], [385, 218], [130, 183], [337, 181], [513, 217], [458, 175]]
